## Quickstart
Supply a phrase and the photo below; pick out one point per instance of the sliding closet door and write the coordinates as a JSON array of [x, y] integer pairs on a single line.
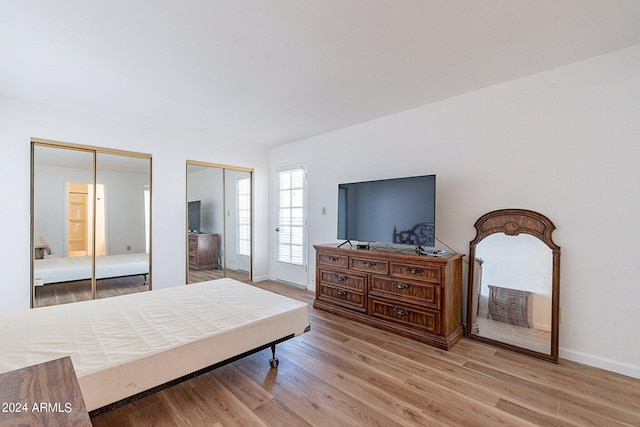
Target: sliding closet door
[[205, 223], [125, 184], [63, 221]]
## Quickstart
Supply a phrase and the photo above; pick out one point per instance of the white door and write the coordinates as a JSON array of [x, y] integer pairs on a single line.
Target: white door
[[291, 228]]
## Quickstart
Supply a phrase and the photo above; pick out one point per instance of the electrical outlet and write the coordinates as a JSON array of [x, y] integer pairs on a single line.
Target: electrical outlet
[[128, 247], [324, 210]]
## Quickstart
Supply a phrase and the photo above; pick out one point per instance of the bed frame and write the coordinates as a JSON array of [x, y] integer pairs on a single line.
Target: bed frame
[[127, 347], [274, 362]]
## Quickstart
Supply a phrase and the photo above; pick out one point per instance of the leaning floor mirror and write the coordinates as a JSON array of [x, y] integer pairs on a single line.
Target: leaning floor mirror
[[514, 283]]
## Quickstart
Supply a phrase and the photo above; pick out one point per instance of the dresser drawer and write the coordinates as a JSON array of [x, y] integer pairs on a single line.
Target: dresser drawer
[[344, 279], [341, 261], [410, 316], [343, 297], [369, 265], [420, 272], [421, 293]]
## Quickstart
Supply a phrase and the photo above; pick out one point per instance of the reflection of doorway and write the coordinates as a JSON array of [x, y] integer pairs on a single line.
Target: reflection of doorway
[[237, 202], [80, 220]]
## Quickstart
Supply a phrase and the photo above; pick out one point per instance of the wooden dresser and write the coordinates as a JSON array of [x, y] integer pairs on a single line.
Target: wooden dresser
[[416, 296], [204, 251]]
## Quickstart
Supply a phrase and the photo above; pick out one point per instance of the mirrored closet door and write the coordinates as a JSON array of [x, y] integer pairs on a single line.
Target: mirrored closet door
[[219, 222], [91, 222]]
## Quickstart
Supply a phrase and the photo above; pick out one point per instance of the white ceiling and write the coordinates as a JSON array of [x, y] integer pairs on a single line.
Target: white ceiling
[[274, 71]]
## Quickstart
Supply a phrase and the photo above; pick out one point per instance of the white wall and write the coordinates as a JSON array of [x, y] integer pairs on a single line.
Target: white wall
[[20, 121], [565, 143]]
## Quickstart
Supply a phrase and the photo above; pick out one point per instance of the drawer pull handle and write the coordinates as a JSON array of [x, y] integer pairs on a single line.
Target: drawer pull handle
[[413, 270], [400, 311], [341, 293], [340, 278], [368, 264], [400, 285], [334, 259]]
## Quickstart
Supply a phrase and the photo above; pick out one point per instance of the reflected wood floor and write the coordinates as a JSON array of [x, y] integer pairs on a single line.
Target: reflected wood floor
[[196, 276], [67, 292], [343, 373], [531, 338]]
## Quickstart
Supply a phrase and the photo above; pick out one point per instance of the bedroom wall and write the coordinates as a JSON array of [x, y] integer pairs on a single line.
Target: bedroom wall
[[21, 120], [564, 143]]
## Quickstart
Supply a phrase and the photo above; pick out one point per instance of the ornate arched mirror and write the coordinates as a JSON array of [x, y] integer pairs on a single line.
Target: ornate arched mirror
[[514, 283]]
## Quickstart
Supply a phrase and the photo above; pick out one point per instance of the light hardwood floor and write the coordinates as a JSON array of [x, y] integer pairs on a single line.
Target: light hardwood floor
[[343, 373]]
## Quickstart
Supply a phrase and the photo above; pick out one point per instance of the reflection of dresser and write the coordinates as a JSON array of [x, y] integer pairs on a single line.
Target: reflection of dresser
[[511, 306], [204, 250]]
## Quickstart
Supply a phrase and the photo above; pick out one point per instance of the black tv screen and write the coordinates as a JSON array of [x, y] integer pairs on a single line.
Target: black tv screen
[[399, 210], [194, 215]]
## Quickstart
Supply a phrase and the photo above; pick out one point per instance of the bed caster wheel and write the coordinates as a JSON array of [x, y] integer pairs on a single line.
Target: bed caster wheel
[[274, 362]]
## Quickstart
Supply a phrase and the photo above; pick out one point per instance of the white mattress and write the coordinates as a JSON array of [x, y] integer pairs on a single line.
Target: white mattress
[[54, 270], [124, 345]]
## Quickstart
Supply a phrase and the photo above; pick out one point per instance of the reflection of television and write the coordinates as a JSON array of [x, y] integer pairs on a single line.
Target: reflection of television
[[194, 215], [400, 210]]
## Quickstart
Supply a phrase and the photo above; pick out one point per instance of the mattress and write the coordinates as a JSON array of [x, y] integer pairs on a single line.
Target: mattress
[[124, 345], [54, 270]]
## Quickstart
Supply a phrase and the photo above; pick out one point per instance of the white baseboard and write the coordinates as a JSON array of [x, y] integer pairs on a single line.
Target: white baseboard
[[259, 278], [602, 363]]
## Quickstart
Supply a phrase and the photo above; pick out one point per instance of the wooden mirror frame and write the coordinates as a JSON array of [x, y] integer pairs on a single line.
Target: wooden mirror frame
[[513, 222]]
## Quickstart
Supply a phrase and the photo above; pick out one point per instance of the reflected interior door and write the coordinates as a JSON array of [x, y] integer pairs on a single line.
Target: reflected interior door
[[80, 208], [291, 228], [78, 220]]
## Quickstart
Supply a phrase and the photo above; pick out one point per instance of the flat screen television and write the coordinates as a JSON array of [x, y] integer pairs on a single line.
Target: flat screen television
[[193, 209], [398, 210]]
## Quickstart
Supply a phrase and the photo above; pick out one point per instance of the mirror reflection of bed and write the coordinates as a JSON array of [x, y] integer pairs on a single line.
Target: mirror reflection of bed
[[91, 223], [218, 222]]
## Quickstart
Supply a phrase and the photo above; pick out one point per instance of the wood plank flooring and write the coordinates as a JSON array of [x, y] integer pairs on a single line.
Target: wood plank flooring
[[343, 373], [67, 292]]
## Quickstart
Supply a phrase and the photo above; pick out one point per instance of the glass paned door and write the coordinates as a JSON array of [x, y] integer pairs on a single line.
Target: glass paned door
[[291, 226]]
